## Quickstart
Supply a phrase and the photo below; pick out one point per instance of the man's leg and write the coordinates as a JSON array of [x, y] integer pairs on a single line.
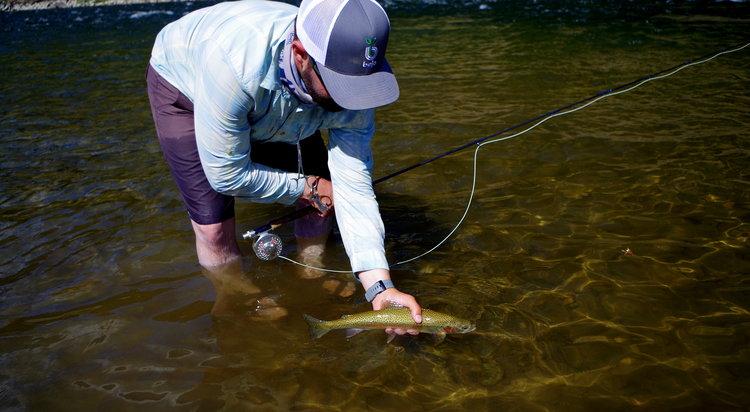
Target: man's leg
[[211, 213], [312, 230], [237, 296], [216, 243]]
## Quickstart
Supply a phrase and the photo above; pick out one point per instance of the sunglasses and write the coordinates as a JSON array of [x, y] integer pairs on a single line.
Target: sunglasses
[[317, 71]]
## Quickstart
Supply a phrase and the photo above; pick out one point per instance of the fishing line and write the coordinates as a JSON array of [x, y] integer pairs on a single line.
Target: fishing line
[[570, 108], [313, 267]]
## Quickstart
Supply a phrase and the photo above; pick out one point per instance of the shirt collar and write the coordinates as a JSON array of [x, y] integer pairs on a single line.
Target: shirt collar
[[288, 74], [270, 80]]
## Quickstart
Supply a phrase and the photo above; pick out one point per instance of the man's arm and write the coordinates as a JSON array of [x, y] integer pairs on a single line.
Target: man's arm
[[223, 137], [350, 162]]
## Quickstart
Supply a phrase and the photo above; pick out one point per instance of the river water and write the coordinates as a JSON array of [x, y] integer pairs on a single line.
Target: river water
[[605, 259]]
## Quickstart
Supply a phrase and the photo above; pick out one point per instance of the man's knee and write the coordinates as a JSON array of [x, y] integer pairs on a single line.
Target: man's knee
[[215, 234]]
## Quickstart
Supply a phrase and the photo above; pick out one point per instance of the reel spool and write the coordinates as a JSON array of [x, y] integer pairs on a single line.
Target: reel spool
[[267, 246]]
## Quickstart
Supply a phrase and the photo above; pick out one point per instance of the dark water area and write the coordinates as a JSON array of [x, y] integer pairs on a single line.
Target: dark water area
[[605, 259]]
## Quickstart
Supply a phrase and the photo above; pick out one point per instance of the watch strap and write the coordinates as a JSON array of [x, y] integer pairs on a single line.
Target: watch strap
[[376, 288]]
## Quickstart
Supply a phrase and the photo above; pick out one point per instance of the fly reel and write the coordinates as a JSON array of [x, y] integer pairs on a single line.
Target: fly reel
[[266, 245]]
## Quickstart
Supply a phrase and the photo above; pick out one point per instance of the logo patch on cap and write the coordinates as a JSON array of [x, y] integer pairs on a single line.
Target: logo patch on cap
[[371, 51]]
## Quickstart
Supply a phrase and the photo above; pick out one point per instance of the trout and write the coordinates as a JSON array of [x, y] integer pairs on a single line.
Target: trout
[[432, 322]]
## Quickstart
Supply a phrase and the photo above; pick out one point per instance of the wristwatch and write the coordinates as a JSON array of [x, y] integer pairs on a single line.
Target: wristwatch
[[378, 287]]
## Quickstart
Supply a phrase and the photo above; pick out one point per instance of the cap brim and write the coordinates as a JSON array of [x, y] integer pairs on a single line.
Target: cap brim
[[361, 92]]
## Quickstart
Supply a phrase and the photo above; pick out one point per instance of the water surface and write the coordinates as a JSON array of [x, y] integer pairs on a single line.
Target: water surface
[[605, 260]]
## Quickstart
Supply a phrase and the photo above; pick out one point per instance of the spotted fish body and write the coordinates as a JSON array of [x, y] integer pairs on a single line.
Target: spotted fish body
[[432, 322]]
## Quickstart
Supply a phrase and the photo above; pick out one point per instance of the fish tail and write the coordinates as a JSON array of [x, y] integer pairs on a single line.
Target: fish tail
[[316, 328]]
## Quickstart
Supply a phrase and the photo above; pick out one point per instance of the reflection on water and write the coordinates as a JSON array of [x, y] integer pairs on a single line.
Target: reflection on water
[[604, 262]]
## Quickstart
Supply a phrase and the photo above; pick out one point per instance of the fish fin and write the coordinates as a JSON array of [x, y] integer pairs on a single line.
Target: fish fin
[[439, 337], [316, 330], [353, 332], [391, 337]]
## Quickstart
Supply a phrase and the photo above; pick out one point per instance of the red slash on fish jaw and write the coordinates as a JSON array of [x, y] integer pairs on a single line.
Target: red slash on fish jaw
[[449, 329]]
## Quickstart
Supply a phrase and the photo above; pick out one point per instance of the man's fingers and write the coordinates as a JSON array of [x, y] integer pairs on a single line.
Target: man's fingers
[[416, 310]]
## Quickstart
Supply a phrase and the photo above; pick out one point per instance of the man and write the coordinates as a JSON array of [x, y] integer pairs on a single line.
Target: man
[[234, 86]]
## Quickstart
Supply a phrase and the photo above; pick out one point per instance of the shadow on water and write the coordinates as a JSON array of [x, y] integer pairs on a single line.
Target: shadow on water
[[605, 259]]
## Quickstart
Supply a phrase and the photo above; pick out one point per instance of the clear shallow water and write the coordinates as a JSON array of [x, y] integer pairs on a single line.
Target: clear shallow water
[[102, 303]]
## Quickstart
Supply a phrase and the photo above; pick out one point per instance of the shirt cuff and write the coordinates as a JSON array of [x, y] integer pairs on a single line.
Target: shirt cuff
[[362, 261], [295, 189]]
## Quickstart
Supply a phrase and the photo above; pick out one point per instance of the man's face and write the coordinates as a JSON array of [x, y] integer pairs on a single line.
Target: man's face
[[311, 77], [319, 94]]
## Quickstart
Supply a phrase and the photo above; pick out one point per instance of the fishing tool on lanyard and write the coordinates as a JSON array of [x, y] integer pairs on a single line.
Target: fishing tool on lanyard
[[269, 244]]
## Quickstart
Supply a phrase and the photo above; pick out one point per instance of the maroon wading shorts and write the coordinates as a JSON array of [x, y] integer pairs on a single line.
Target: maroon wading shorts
[[173, 117]]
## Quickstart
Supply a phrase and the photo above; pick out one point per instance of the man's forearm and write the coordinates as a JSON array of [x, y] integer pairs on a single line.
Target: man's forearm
[[369, 277]]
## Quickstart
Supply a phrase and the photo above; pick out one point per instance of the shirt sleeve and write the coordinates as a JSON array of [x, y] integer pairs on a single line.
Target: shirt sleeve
[[357, 214], [222, 134]]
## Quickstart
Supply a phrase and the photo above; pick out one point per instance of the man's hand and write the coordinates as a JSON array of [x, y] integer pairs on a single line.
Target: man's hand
[[324, 192], [391, 297]]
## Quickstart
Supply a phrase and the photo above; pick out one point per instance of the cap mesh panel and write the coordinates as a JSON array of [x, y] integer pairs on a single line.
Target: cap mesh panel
[[319, 21]]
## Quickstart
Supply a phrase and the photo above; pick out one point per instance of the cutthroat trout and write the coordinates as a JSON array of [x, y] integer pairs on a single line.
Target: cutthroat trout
[[432, 322]]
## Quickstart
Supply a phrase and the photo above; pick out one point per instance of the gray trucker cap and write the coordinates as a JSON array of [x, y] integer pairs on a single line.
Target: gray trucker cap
[[347, 39]]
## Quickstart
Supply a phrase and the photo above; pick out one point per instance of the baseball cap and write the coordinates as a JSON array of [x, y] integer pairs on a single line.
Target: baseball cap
[[347, 39]]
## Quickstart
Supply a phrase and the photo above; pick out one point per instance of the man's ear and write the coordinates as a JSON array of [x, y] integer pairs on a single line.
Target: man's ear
[[301, 58]]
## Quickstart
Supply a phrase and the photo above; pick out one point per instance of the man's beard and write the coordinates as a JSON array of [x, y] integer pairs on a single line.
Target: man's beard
[[327, 103]]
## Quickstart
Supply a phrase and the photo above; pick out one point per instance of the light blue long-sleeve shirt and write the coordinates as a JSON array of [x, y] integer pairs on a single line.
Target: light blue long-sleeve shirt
[[224, 58]]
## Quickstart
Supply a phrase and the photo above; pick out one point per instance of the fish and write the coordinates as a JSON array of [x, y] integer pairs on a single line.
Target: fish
[[432, 322]]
